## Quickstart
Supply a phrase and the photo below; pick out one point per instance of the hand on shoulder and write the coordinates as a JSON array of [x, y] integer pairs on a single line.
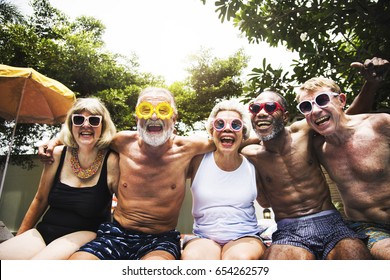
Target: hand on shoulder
[[123, 137]]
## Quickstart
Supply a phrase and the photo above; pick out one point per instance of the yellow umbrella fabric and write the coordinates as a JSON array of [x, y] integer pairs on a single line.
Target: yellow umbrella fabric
[[26, 96]]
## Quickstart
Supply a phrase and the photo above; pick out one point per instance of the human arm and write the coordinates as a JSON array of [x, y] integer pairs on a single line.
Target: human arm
[[374, 71], [200, 144], [194, 166], [261, 196], [45, 151], [122, 138], [253, 139], [113, 173], [40, 201], [263, 201]]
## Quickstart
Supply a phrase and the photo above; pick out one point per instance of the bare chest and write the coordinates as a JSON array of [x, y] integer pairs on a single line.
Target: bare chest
[[290, 165], [145, 176], [363, 157]]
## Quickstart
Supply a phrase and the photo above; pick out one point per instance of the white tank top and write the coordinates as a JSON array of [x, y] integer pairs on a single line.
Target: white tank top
[[223, 201]]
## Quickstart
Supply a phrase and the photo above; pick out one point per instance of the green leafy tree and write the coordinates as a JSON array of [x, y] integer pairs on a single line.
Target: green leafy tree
[[70, 52], [9, 13], [74, 53], [210, 79], [327, 35]]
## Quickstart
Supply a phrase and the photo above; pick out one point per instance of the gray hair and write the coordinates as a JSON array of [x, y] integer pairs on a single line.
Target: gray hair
[[230, 105], [156, 90]]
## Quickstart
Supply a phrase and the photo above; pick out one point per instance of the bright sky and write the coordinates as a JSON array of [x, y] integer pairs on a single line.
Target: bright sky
[[163, 33]]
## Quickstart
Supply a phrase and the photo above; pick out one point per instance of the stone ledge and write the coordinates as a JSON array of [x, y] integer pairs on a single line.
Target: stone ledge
[[5, 234]]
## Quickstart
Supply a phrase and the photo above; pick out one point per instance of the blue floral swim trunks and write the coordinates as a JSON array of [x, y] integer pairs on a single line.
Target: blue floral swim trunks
[[113, 242]]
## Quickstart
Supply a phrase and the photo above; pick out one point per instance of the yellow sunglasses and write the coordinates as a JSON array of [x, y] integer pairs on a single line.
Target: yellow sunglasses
[[145, 110]]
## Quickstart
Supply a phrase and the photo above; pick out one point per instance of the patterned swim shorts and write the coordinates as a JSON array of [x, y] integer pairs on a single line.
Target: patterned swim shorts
[[375, 232], [113, 242], [318, 233]]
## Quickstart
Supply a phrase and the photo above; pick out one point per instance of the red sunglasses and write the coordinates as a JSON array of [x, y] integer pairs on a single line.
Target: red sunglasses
[[269, 107]]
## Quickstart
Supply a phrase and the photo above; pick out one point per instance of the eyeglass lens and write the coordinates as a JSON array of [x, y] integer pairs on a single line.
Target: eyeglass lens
[[269, 107], [80, 119], [321, 100], [219, 124], [162, 109]]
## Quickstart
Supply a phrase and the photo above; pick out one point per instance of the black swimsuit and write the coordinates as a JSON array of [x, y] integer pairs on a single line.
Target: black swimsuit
[[75, 209]]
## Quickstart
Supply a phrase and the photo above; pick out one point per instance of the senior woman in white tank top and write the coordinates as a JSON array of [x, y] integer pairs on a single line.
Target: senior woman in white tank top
[[224, 191]]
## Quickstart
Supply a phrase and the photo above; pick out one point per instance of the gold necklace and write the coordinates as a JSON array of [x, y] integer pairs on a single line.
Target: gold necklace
[[87, 172]]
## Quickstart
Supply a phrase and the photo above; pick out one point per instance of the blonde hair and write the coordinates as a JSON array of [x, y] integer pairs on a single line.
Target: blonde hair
[[318, 82], [94, 106], [230, 105]]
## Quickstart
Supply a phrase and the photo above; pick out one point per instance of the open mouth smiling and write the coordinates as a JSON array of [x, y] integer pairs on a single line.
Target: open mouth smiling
[[321, 120], [86, 133], [154, 128], [263, 123], [227, 140]]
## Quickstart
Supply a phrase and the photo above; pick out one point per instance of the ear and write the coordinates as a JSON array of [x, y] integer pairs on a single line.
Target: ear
[[343, 99], [286, 115]]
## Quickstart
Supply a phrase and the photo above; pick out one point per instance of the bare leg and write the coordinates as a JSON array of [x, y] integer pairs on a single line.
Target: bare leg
[[201, 249], [247, 248], [287, 252], [349, 249], [381, 249], [158, 255], [23, 246], [63, 247], [83, 256]]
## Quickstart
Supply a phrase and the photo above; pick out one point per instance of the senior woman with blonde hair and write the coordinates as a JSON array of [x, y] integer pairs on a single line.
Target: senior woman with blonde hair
[[223, 191], [74, 195]]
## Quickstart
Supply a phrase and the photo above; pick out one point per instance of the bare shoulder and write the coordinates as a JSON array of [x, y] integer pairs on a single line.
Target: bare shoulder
[[192, 139], [251, 150], [57, 152], [123, 137], [383, 118], [126, 134], [195, 142], [300, 126], [380, 122]]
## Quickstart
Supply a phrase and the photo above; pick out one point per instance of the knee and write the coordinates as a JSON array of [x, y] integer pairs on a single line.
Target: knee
[[189, 254], [240, 256], [381, 250]]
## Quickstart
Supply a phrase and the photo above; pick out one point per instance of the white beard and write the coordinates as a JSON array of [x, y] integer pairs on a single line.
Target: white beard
[[154, 139], [278, 127]]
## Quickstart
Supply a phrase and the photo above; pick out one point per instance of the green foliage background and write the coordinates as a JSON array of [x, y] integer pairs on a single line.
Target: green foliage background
[[74, 53], [327, 34]]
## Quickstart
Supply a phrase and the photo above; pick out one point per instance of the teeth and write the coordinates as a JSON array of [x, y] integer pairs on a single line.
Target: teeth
[[322, 120], [154, 127], [260, 123], [227, 139]]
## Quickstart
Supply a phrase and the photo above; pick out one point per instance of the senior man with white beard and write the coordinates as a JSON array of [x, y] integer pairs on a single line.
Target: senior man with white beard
[[153, 164]]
